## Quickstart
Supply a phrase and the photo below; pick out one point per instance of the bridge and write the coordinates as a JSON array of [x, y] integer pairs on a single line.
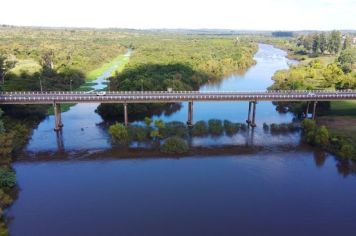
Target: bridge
[[126, 97]]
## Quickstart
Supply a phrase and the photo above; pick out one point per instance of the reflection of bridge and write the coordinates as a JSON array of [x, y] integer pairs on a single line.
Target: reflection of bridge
[[126, 97]]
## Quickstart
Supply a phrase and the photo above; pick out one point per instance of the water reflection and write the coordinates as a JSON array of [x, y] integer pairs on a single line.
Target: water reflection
[[215, 195], [60, 143]]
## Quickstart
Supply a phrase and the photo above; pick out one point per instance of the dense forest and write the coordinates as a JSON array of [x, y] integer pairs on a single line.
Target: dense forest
[[180, 62]]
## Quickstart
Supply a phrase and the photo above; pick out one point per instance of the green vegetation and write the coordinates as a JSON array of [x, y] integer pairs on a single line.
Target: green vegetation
[[321, 137], [200, 128], [9, 142], [174, 145], [79, 49], [180, 62], [315, 75], [119, 133], [119, 60], [215, 127], [329, 64], [281, 128]]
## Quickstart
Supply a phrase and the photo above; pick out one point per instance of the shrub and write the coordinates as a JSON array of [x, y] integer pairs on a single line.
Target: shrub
[[346, 151], [174, 128], [138, 133], [148, 121], [308, 125], [322, 136], [215, 127], [119, 133], [231, 128], [174, 145], [7, 178], [200, 128]]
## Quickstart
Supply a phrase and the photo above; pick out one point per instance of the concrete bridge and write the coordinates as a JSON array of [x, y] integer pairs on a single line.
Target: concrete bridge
[[126, 97]]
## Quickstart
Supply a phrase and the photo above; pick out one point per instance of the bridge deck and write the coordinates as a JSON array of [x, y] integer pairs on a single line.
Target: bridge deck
[[168, 97]]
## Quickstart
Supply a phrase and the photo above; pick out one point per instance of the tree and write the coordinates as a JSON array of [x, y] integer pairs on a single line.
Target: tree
[[308, 42], [46, 62], [315, 44], [159, 124], [174, 145], [347, 151], [2, 129], [347, 59], [334, 44], [119, 133], [323, 43], [6, 65], [322, 136], [347, 43], [7, 178], [148, 121]]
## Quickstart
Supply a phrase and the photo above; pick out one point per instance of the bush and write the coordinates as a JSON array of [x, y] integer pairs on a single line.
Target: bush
[[174, 128], [308, 125], [322, 136], [174, 145], [346, 151], [231, 128], [119, 133], [7, 178], [138, 133], [200, 128], [215, 127]]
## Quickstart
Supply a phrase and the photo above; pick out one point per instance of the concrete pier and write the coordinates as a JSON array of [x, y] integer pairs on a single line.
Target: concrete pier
[[314, 110], [126, 117], [57, 117], [190, 114], [253, 122], [307, 110], [248, 121]]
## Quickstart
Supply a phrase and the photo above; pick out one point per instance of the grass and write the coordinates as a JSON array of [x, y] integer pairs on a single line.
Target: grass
[[341, 119], [92, 75], [343, 108], [340, 125]]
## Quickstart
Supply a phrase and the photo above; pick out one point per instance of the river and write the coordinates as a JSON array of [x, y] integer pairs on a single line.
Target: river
[[272, 192]]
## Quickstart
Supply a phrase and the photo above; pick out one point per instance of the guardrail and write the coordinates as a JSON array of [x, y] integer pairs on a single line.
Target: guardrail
[[172, 92]]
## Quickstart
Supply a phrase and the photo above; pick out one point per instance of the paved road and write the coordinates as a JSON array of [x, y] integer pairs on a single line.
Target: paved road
[[168, 97]]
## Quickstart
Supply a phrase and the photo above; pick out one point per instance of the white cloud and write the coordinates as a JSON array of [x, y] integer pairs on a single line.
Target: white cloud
[[236, 14]]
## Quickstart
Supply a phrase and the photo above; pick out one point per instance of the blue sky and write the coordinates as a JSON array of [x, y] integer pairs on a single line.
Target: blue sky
[[226, 14]]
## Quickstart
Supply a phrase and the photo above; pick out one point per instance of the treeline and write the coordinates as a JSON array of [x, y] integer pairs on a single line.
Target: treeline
[[324, 43], [10, 140], [314, 75], [282, 34], [80, 49], [180, 62]]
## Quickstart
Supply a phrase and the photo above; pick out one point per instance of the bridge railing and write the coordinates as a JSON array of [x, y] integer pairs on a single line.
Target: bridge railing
[[173, 92]]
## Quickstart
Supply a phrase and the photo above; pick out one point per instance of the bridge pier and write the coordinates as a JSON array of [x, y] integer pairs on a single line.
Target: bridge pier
[[248, 121], [190, 114], [253, 123], [307, 110], [57, 117], [314, 110], [126, 118]]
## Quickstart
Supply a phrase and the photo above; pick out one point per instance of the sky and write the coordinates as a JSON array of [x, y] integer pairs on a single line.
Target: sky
[[193, 14]]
